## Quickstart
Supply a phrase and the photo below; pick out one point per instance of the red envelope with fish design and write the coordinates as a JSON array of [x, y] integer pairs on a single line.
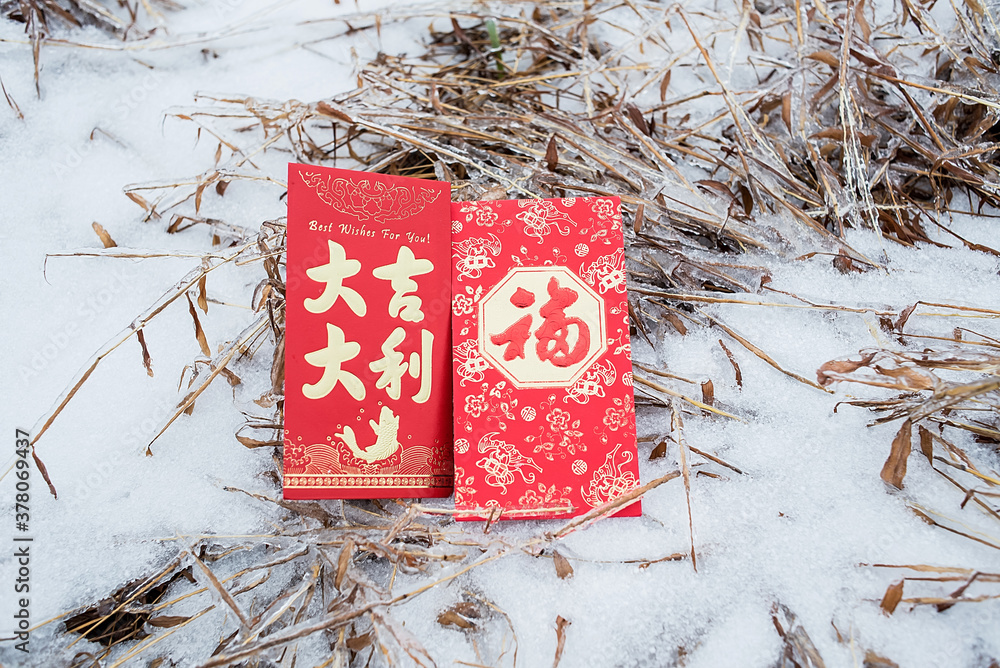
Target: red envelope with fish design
[[367, 349], [544, 414]]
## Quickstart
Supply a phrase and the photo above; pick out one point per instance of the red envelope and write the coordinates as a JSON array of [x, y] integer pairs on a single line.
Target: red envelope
[[544, 413], [367, 338]]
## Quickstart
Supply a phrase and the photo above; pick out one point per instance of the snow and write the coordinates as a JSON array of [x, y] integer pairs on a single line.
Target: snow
[[799, 528]]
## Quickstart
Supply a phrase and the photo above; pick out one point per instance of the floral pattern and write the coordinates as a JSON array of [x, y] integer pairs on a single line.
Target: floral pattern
[[465, 491], [558, 419], [560, 436], [475, 405], [551, 496], [538, 448], [621, 415], [471, 366], [494, 404], [481, 214], [465, 303]]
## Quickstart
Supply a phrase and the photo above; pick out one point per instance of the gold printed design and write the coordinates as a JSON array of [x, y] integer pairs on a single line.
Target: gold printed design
[[370, 200], [611, 480], [502, 461], [386, 440]]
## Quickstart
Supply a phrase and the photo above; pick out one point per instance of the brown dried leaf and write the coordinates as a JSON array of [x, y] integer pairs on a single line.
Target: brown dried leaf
[[358, 643], [435, 98], [676, 322], [44, 472], [926, 444], [894, 469], [138, 199], [911, 377], [893, 595], [746, 199], [220, 188], [636, 116], [825, 57], [230, 377], [859, 17], [278, 367], [199, 333], [199, 191], [664, 84], [799, 648], [659, 451], [719, 187], [254, 443], [552, 155], [640, 215], [844, 264], [875, 660], [147, 361], [563, 568], [451, 617], [166, 621], [708, 392], [202, 294], [903, 317], [328, 110], [342, 562], [103, 235], [825, 374], [736, 367], [561, 625], [786, 110]]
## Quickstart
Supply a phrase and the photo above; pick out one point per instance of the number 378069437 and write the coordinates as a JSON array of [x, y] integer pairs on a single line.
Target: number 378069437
[[22, 485]]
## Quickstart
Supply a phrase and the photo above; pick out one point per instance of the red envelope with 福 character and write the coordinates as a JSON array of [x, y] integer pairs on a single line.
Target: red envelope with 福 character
[[367, 349], [544, 413]]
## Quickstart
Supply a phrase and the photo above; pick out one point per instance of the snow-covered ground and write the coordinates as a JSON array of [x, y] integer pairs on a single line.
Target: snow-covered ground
[[798, 528]]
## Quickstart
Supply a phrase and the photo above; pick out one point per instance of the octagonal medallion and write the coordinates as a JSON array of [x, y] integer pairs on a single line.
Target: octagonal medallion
[[542, 327]]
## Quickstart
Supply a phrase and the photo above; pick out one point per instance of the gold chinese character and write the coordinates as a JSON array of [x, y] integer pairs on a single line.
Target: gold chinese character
[[400, 276], [333, 274], [338, 350], [392, 366]]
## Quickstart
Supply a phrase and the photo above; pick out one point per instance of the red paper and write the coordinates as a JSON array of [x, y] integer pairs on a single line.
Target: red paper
[[367, 338], [544, 414]]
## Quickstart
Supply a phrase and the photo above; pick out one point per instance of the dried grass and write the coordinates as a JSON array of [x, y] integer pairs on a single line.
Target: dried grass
[[43, 18], [948, 400], [850, 124]]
